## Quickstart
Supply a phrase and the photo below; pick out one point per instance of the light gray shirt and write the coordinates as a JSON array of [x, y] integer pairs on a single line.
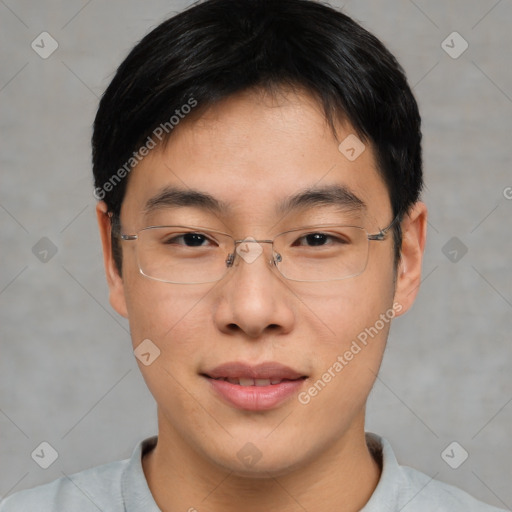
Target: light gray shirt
[[122, 487]]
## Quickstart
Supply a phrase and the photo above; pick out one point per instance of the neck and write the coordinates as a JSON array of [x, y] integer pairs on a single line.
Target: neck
[[342, 478]]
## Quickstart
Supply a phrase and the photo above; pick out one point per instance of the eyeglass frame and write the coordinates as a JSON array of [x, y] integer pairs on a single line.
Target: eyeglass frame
[[377, 237]]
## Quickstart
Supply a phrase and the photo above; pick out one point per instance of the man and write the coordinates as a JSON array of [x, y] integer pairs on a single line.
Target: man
[[258, 170]]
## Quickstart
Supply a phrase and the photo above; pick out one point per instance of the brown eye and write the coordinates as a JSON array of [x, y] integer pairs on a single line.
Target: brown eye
[[319, 240]]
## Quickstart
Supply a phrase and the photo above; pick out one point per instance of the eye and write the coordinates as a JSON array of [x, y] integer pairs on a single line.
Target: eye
[[318, 240], [187, 239]]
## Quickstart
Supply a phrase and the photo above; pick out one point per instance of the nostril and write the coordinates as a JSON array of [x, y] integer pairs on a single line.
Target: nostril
[[233, 327]]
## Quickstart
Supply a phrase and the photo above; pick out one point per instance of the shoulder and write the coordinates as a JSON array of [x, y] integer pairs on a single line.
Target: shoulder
[[409, 490], [426, 493], [94, 489]]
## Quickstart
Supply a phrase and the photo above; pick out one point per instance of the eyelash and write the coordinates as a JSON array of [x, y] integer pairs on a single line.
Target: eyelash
[[302, 237]]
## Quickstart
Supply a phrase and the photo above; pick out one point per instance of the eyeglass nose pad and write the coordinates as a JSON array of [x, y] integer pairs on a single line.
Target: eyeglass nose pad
[[274, 261], [230, 259]]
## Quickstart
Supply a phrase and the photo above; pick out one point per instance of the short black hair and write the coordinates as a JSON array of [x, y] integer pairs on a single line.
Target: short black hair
[[217, 48]]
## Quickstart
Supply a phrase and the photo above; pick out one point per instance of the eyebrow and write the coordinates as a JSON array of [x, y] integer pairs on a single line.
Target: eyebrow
[[328, 195], [171, 197]]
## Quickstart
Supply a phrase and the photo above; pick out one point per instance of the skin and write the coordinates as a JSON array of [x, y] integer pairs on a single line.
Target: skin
[[251, 151]]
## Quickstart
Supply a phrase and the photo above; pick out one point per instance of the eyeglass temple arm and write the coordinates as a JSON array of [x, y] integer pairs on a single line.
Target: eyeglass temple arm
[[381, 235]]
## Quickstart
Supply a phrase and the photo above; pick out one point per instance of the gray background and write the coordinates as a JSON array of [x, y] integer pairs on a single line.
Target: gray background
[[67, 373]]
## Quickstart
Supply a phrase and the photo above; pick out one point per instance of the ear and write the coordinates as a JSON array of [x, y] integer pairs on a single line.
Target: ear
[[408, 279], [114, 280]]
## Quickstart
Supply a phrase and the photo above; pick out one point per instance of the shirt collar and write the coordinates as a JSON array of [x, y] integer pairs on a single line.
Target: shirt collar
[[136, 494], [392, 480]]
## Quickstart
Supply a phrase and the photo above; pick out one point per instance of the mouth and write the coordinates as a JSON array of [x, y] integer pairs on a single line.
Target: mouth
[[254, 388], [241, 381]]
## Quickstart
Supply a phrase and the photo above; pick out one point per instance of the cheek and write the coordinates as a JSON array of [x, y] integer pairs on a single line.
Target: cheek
[[172, 318], [345, 369], [164, 311], [353, 320], [354, 316], [342, 309]]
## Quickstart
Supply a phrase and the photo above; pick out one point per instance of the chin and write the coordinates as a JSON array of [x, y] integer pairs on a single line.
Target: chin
[[253, 463], [263, 470]]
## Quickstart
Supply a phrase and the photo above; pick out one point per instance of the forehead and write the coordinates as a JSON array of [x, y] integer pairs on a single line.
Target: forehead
[[253, 153]]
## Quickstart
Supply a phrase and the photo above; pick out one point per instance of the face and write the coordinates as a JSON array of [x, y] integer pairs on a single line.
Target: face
[[251, 153]]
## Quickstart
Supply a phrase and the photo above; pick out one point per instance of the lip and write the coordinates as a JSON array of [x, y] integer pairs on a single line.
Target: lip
[[269, 370], [258, 397]]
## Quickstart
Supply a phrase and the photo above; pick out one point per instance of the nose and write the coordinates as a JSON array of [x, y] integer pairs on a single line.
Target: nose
[[253, 297]]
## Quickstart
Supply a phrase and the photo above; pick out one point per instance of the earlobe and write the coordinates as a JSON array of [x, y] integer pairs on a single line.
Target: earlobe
[[408, 279], [114, 280]]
